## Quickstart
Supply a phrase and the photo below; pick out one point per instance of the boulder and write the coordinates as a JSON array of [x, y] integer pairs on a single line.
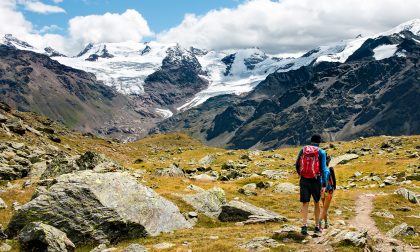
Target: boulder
[[264, 185], [241, 211], [384, 214], [172, 171], [352, 238], [100, 207], [16, 126], [135, 247], [402, 229], [207, 160], [285, 188], [407, 194], [61, 164], [343, 159], [37, 236], [229, 165], [207, 202], [259, 244]]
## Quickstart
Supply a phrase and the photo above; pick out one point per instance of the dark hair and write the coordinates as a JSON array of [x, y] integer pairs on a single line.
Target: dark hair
[[316, 139], [328, 160]]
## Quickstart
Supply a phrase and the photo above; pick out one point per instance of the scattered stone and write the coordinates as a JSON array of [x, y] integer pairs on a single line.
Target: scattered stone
[[247, 192], [208, 202], [251, 186], [26, 184], [404, 209], [357, 174], [241, 211], [260, 244], [264, 185], [138, 161], [275, 174], [13, 172], [415, 176], [285, 188], [163, 245], [135, 247], [4, 247], [95, 207], [54, 138], [195, 188], [213, 237], [229, 165], [288, 232], [278, 156], [390, 180], [246, 157], [37, 236], [16, 126], [99, 248], [353, 238], [207, 160], [3, 204], [343, 159], [172, 171], [407, 194], [384, 214], [204, 177], [402, 229]]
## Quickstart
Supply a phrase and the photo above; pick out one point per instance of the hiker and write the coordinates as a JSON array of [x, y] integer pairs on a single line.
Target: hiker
[[326, 196], [312, 169]]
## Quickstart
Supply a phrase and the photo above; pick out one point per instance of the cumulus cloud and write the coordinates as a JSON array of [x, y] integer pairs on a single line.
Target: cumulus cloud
[[16, 22], [40, 7], [289, 25], [110, 27], [50, 29]]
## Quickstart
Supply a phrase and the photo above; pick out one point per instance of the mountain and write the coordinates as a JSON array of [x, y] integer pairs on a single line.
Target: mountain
[[30, 81], [363, 87]]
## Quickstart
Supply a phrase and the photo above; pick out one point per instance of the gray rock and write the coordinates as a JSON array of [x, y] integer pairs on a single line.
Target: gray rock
[[241, 211], [3, 118], [172, 171], [229, 165], [342, 159], [353, 238], [135, 247], [247, 192], [275, 174], [61, 164], [37, 169], [384, 214], [37, 236], [390, 180], [16, 126], [99, 248], [285, 188], [4, 247], [246, 157], [251, 186], [207, 160], [288, 232], [208, 202], [12, 172], [204, 177], [259, 244], [402, 229], [407, 194], [98, 207], [264, 185], [3, 204]]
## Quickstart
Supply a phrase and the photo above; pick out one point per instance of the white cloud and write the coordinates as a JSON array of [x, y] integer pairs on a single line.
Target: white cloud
[[12, 21], [40, 7], [50, 28], [110, 27], [57, 1], [290, 25]]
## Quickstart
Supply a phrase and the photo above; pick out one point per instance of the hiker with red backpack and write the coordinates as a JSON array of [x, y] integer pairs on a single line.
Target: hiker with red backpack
[[312, 169]]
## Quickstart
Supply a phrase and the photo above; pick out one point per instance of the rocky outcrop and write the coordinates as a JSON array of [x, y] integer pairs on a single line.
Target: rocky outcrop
[[37, 236], [100, 207], [172, 171], [342, 159]]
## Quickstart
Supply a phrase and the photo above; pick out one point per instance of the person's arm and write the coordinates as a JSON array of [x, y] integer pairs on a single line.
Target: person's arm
[[298, 162], [325, 173]]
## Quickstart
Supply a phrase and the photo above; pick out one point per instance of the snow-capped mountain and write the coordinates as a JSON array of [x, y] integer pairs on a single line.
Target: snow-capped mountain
[[14, 42], [126, 66]]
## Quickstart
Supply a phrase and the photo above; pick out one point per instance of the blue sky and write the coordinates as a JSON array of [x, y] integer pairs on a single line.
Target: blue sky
[[160, 14]]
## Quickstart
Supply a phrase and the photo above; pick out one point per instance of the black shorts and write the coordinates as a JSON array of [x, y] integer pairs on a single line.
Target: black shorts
[[310, 187]]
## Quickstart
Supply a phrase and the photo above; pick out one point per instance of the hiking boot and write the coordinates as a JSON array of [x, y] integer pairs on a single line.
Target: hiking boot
[[326, 225], [304, 230], [318, 230]]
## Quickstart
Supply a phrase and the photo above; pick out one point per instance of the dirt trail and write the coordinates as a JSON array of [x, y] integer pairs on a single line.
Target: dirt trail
[[364, 222]]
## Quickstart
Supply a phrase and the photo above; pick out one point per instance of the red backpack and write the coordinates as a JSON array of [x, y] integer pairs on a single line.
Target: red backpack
[[309, 162]]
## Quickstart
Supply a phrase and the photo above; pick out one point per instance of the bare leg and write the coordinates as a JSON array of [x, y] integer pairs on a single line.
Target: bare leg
[[317, 211], [327, 203], [304, 211]]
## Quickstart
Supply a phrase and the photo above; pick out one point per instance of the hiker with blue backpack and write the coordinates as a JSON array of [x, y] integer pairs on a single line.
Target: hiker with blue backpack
[[312, 169]]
